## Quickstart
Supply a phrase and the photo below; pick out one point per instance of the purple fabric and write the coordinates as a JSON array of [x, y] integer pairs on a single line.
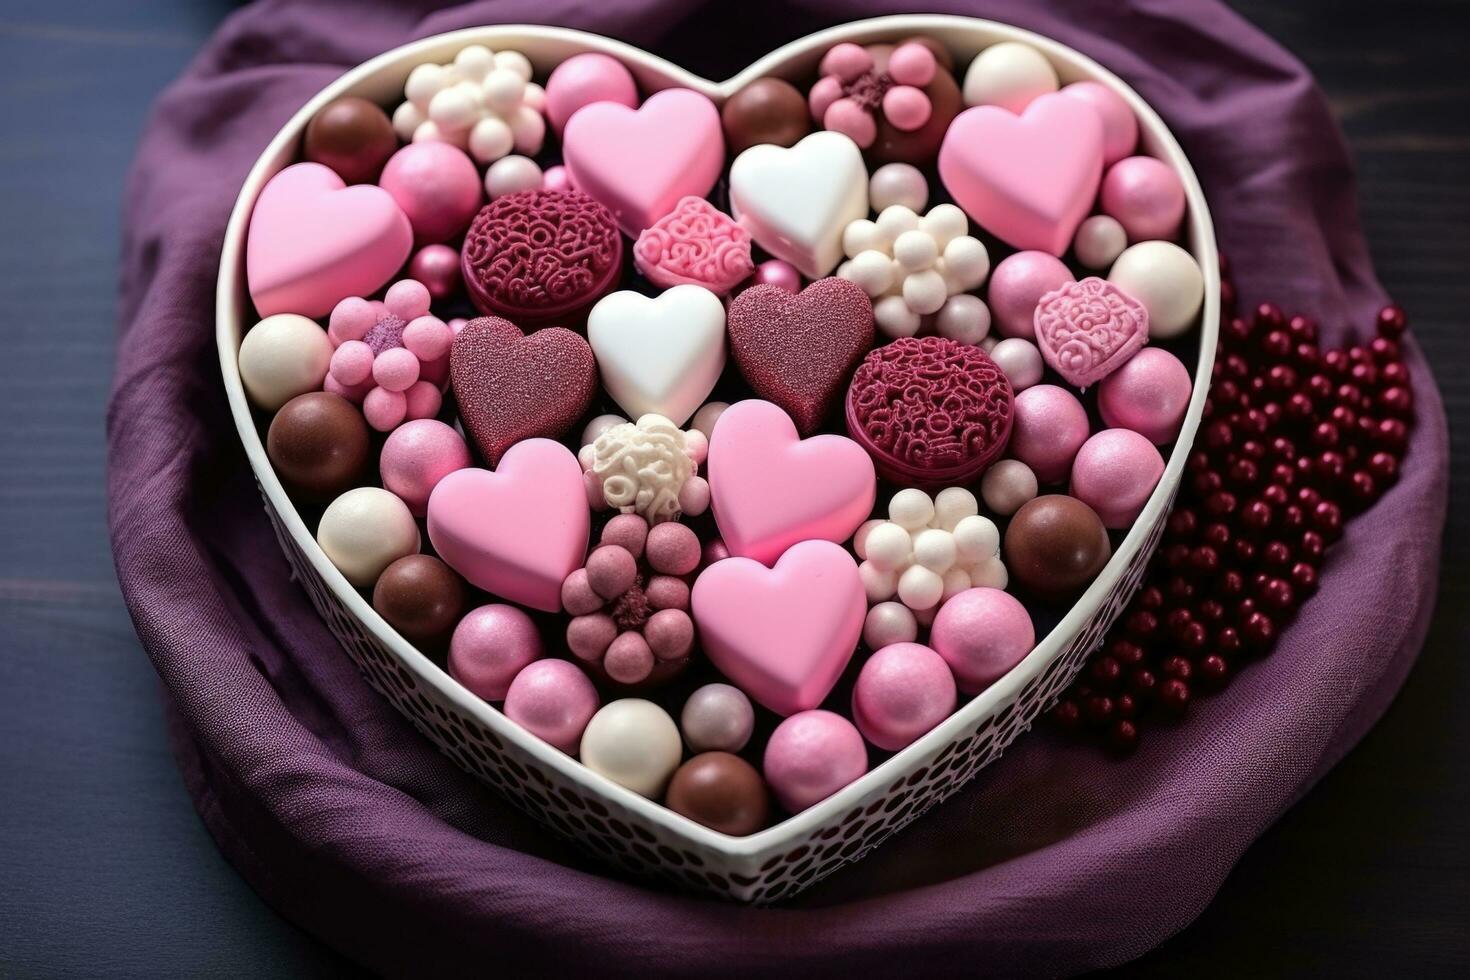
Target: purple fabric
[[1053, 860]]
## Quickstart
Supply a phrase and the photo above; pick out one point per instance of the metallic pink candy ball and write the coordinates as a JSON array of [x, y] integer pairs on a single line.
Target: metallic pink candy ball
[[774, 272], [1146, 195], [1114, 473], [1120, 125], [903, 691], [1149, 394], [812, 755], [717, 718], [490, 646], [553, 700], [982, 634], [1050, 426], [1016, 287], [437, 186], [437, 267], [417, 455]]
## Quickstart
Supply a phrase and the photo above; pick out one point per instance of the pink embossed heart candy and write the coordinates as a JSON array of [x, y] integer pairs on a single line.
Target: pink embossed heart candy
[[638, 163], [782, 634], [1088, 329], [314, 241], [517, 532], [770, 488], [1028, 179], [696, 244]]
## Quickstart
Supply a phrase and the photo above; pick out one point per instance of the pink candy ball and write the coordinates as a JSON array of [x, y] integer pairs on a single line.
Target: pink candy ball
[[1148, 394], [847, 117], [553, 700], [628, 659], [396, 369], [384, 409], [906, 107], [846, 60], [812, 755], [351, 319], [717, 718], [982, 634], [1016, 287], [1114, 473], [670, 634], [416, 456], [611, 571], [587, 78], [1146, 196], [903, 691], [352, 363], [1049, 426], [428, 338], [912, 64], [407, 299], [627, 531], [775, 272], [437, 267], [673, 549], [437, 186], [423, 399], [490, 646], [1120, 126]]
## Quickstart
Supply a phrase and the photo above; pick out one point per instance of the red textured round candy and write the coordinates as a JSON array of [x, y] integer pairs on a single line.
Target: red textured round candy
[[930, 411], [538, 256]]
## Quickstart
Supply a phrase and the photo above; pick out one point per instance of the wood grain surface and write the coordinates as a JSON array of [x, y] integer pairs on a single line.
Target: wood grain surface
[[105, 869]]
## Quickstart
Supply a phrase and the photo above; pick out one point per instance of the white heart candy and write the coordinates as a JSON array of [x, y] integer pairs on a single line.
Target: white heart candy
[[796, 202], [659, 355]]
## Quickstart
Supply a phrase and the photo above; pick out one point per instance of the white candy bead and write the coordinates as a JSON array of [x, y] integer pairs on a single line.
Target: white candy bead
[[894, 221], [888, 623], [281, 357], [407, 118], [860, 537], [963, 318], [945, 222], [453, 109], [967, 262], [898, 183], [935, 549], [424, 82], [1019, 360], [1166, 280], [481, 102], [894, 317], [859, 236], [1006, 485], [503, 90], [1009, 75], [888, 545], [915, 250], [516, 62], [956, 580], [952, 505], [474, 61], [364, 531], [878, 583], [911, 509], [976, 539], [491, 139], [988, 344], [634, 743], [1100, 240], [511, 174], [920, 588], [989, 574], [925, 292], [872, 271], [529, 128]]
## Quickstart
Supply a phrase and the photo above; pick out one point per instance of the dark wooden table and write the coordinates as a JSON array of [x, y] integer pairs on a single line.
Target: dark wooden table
[[104, 868]]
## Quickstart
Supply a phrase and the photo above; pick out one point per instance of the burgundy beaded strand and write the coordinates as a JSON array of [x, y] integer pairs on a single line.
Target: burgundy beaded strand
[[1294, 441]]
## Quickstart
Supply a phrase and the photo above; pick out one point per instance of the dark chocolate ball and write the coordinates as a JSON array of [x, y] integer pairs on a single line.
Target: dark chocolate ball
[[352, 136], [768, 110], [721, 791], [1055, 545], [318, 443], [420, 597]]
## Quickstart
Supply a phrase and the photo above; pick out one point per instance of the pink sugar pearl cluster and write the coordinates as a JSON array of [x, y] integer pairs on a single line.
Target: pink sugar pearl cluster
[[855, 87], [391, 357], [630, 602]]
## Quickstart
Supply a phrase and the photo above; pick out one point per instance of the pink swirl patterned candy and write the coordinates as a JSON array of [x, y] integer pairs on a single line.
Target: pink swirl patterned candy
[[695, 244], [930, 411], [1086, 330]]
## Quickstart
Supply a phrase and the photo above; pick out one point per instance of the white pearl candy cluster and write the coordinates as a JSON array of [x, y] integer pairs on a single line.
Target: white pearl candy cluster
[[915, 267], [483, 102], [929, 550]]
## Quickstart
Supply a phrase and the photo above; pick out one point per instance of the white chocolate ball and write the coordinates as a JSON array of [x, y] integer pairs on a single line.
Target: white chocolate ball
[[1020, 361], [935, 550], [976, 538], [888, 623], [1009, 75], [1100, 240], [915, 250], [1006, 485], [888, 545], [516, 62], [861, 236], [1166, 280], [920, 588], [283, 356], [503, 90], [407, 118], [966, 262], [898, 183], [490, 139], [879, 584], [424, 82], [474, 61], [956, 580], [860, 537], [989, 574], [529, 129], [952, 505], [364, 531], [453, 109], [510, 174], [925, 292], [894, 318], [709, 413], [945, 222], [871, 271], [894, 221], [911, 509], [634, 743], [963, 318]]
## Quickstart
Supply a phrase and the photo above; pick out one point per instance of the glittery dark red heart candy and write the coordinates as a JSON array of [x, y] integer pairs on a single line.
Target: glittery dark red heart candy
[[512, 387], [798, 350]]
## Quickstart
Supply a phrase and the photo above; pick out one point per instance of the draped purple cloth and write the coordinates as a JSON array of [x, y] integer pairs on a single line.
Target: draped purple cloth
[[1053, 860]]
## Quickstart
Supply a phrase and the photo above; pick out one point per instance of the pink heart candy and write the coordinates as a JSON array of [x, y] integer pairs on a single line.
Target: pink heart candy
[[770, 488], [638, 163], [517, 532], [1028, 179], [782, 634], [314, 241], [1088, 329]]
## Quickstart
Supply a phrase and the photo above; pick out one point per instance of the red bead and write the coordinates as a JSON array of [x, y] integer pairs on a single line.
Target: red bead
[[1312, 546], [1269, 315], [1392, 321], [1245, 549], [1244, 473], [1319, 386], [1150, 597], [1194, 636], [1276, 553], [1397, 401], [1292, 517], [1142, 624], [1098, 709], [1278, 594], [1220, 503], [1393, 434], [1125, 652], [1275, 495], [1211, 611], [1122, 736], [1364, 488], [1182, 523], [1302, 328], [1384, 466], [1327, 518], [1217, 534], [1105, 672], [1173, 696], [1176, 556], [1067, 714], [1232, 583], [1258, 630], [1385, 350], [1229, 641], [1336, 363], [1304, 577], [1204, 560], [1214, 671], [1176, 666], [1281, 377], [1177, 620], [1256, 515], [1142, 682], [1124, 706], [1330, 466]]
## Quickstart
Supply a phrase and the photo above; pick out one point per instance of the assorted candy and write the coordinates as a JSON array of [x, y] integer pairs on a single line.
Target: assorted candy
[[635, 369]]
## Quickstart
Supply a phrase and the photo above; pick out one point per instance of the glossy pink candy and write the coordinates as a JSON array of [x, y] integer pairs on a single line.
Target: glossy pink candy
[[517, 532], [314, 241], [640, 163], [782, 634], [770, 488], [1028, 179]]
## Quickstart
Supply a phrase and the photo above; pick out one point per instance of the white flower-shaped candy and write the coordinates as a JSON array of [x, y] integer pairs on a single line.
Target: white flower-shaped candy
[[919, 271], [483, 102], [928, 550]]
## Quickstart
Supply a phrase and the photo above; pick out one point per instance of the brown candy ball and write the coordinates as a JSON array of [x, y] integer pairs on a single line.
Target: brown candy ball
[[420, 597], [352, 136], [768, 110], [721, 791], [1055, 545], [318, 443]]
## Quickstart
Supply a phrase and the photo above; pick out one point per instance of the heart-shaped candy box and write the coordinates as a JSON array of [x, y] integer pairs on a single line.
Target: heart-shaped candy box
[[612, 821]]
